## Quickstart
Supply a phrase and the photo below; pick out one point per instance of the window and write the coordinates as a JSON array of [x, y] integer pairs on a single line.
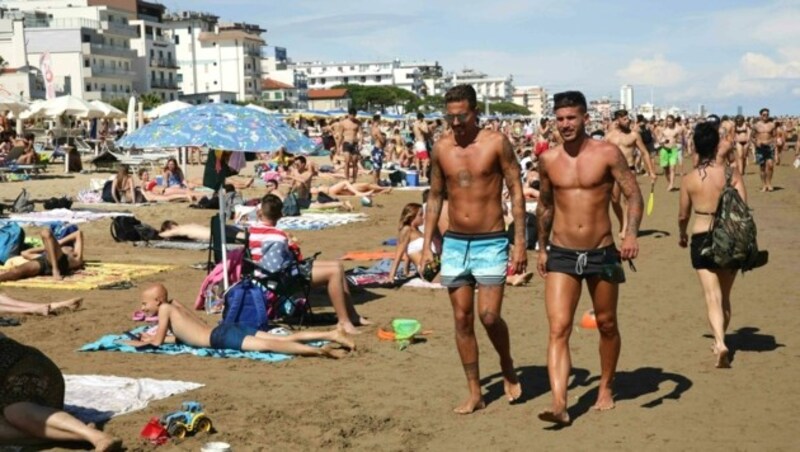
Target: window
[[363, 80], [177, 38], [86, 38], [171, 96], [215, 82], [160, 54], [322, 81], [86, 63], [148, 30], [152, 53], [88, 87], [189, 29], [377, 78], [278, 95], [346, 80]]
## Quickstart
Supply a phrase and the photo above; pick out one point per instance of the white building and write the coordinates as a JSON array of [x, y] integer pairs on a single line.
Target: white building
[[88, 43], [493, 88], [383, 73], [647, 110], [18, 78], [626, 97], [276, 69], [216, 57], [156, 63], [534, 98]]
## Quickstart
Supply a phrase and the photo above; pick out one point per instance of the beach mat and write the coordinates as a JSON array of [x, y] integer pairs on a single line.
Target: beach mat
[[180, 245], [370, 255], [318, 221], [112, 342], [96, 275], [98, 398], [47, 217]]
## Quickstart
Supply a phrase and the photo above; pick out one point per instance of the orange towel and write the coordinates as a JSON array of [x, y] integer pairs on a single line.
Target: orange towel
[[374, 255]]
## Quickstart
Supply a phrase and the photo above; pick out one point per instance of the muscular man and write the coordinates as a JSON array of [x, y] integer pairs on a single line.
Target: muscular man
[[472, 165], [336, 131], [301, 176], [576, 181], [378, 143], [628, 141], [764, 138], [669, 137], [351, 140], [422, 133]]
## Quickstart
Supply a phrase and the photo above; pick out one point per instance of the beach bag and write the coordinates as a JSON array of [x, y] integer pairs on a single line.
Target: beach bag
[[106, 196], [531, 231], [732, 238], [129, 229], [12, 240], [22, 204], [290, 206], [245, 304], [397, 178], [58, 203]]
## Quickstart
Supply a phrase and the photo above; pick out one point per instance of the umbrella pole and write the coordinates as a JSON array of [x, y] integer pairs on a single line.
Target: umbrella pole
[[222, 238], [182, 153]]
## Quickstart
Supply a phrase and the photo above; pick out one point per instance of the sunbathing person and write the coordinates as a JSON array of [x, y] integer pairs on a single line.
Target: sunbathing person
[[32, 402], [344, 206], [346, 188], [188, 328], [123, 187], [173, 176], [56, 258], [197, 232], [152, 192], [28, 156], [409, 242], [323, 273], [10, 305]]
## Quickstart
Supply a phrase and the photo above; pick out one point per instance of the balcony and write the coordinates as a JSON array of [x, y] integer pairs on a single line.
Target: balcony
[[164, 63], [107, 50], [161, 38], [63, 23], [105, 96], [109, 72], [163, 84], [118, 29], [253, 52]]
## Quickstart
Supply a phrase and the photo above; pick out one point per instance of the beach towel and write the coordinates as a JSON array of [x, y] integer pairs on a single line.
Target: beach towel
[[376, 275], [420, 283], [180, 245], [113, 342], [318, 221], [371, 255], [96, 275], [98, 398], [47, 217]]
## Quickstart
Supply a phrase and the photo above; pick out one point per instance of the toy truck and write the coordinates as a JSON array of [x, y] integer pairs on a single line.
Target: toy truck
[[189, 419]]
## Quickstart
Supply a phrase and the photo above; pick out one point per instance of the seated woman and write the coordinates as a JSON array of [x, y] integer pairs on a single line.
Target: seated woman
[[410, 240], [152, 192], [32, 402], [173, 178], [122, 187], [346, 188]]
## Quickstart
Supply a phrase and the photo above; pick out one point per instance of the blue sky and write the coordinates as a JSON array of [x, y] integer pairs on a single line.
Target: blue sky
[[719, 53]]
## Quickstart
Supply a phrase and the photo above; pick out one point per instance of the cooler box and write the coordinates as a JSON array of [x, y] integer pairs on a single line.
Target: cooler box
[[412, 178]]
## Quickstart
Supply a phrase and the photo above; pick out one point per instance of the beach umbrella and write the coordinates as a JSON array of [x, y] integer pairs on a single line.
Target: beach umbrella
[[11, 104], [109, 111], [70, 106], [222, 127], [165, 109], [131, 114]]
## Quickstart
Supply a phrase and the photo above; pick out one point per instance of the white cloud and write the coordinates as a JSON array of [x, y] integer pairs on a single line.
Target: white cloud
[[657, 71], [757, 65], [733, 85], [796, 91], [761, 75]]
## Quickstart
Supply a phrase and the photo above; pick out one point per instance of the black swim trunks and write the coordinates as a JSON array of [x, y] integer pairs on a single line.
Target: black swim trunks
[[764, 152], [350, 148], [45, 269], [604, 262]]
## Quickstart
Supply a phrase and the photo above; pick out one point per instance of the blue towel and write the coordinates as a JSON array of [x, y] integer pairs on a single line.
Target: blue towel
[[112, 342], [390, 242]]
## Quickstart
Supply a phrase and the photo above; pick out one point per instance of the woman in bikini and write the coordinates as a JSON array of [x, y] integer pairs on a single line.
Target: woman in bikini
[[152, 192], [701, 190], [742, 138], [174, 180], [122, 188], [409, 242]]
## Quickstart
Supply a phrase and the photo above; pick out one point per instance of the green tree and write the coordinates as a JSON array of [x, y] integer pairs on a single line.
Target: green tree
[[150, 100], [378, 97], [119, 103], [503, 108]]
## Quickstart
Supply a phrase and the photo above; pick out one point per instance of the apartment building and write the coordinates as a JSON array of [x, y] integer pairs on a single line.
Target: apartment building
[[492, 88], [534, 98], [156, 63], [382, 73], [19, 78]]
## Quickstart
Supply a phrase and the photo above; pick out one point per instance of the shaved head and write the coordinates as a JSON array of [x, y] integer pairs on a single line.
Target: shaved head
[[156, 291]]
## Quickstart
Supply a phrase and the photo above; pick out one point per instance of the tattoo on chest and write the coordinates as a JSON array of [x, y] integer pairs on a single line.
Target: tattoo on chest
[[464, 178]]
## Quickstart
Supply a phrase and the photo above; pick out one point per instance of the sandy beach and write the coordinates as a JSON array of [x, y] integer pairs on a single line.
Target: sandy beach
[[669, 395]]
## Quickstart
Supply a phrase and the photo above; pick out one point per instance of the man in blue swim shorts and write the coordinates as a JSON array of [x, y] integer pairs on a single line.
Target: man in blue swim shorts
[[188, 328], [576, 181], [472, 165], [378, 143]]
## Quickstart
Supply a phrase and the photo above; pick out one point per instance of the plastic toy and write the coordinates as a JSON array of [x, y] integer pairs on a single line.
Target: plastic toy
[[189, 419]]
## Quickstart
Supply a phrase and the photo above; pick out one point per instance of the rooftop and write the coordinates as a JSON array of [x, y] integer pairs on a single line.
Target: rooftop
[[270, 84]]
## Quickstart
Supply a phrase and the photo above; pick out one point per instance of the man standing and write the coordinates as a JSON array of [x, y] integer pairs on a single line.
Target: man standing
[[472, 165], [351, 140], [669, 137], [576, 180], [764, 137], [422, 134], [628, 142], [378, 143]]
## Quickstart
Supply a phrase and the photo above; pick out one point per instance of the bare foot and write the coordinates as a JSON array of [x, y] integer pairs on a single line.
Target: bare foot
[[347, 206], [108, 444], [723, 358], [363, 321], [340, 338], [764, 189], [511, 384], [329, 351], [605, 401], [347, 328], [470, 406], [43, 310], [770, 188], [669, 188], [71, 304], [521, 280], [560, 418]]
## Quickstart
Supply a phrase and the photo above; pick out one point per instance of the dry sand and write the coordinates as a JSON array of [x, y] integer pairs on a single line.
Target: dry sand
[[669, 395]]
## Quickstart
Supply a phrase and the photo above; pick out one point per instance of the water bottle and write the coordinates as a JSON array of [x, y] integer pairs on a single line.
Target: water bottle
[[213, 302]]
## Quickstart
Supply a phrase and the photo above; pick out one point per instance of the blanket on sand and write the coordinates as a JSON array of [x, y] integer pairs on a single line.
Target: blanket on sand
[[180, 245], [46, 217], [95, 275], [98, 398], [317, 221]]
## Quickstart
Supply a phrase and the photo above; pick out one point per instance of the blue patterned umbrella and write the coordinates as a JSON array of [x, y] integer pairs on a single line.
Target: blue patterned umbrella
[[219, 126]]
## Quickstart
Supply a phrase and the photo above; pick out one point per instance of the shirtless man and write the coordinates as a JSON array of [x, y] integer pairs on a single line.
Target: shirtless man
[[190, 329], [378, 144], [336, 131], [56, 258], [669, 137], [742, 135], [628, 141], [472, 165], [577, 179], [351, 140], [422, 134], [301, 176], [764, 140]]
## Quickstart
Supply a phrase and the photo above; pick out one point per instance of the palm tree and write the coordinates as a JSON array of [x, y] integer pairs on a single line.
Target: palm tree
[[150, 100]]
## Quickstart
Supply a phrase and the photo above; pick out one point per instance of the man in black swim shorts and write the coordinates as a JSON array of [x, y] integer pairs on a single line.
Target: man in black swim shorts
[[56, 258], [351, 136]]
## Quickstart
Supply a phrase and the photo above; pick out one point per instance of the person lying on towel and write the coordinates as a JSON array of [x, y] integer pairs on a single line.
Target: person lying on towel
[[171, 230], [57, 258], [188, 328]]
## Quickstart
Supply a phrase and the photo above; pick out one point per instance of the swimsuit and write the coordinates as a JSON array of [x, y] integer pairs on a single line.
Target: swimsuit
[[764, 152], [377, 159], [27, 375], [603, 262], [415, 246], [421, 149], [174, 180], [469, 259], [350, 148], [669, 156], [45, 269], [230, 336]]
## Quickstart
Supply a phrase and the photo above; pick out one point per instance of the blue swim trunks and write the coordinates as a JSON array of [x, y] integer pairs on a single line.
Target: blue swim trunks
[[230, 336], [377, 159], [469, 259]]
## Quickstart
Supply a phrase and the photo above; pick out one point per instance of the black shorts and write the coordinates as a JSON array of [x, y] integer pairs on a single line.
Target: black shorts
[[350, 148], [45, 269], [699, 261], [604, 262]]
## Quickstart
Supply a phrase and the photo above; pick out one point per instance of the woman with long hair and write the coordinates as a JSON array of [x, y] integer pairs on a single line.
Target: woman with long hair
[[700, 191], [122, 188], [410, 240], [173, 175]]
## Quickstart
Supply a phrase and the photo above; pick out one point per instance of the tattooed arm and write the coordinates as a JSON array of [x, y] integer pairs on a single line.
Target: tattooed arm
[[630, 188], [513, 180], [544, 215]]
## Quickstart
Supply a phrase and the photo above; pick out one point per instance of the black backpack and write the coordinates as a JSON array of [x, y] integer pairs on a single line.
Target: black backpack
[[58, 203], [129, 229], [647, 136], [106, 196], [531, 231]]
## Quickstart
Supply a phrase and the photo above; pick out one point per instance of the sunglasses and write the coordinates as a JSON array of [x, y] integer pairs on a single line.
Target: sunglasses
[[462, 118]]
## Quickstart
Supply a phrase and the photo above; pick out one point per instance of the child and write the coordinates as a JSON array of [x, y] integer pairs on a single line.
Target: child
[[190, 329]]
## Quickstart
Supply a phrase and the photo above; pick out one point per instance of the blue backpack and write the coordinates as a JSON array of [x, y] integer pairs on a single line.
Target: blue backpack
[[245, 304], [12, 239]]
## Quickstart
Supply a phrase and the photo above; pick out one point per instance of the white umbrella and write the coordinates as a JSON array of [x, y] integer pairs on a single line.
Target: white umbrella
[[71, 106], [11, 104], [131, 115], [109, 111], [165, 109], [35, 110]]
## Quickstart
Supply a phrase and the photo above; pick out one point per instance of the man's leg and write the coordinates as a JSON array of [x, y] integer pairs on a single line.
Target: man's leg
[[490, 301], [462, 300], [53, 252], [29, 269], [770, 169], [604, 298], [561, 294], [331, 274]]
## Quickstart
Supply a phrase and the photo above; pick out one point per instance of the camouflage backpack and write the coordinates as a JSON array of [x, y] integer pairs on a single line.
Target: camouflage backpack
[[732, 239]]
